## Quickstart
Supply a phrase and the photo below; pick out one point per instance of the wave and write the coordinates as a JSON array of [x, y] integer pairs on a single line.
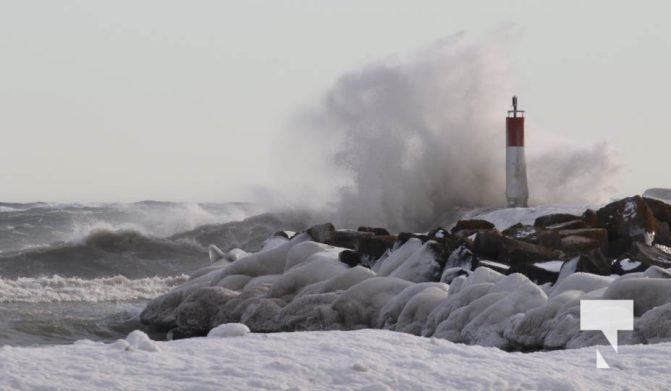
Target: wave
[[74, 289], [398, 141], [106, 253], [23, 226]]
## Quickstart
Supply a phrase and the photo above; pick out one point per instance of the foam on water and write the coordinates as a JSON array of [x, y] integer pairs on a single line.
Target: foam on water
[[62, 289]]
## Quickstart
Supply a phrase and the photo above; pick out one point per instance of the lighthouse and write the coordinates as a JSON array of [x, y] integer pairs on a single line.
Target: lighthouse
[[517, 191]]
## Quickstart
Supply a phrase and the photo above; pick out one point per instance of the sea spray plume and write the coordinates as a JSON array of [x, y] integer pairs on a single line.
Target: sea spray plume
[[565, 173], [405, 140], [415, 136]]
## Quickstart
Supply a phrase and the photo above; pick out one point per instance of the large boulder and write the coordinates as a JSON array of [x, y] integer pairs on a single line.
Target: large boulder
[[322, 233], [662, 212], [553, 219], [495, 246], [472, 225], [371, 248], [593, 262], [535, 235], [628, 220], [539, 272], [575, 241], [197, 310], [649, 256]]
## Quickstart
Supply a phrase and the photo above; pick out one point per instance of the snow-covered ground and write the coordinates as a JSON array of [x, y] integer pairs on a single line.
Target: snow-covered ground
[[329, 360]]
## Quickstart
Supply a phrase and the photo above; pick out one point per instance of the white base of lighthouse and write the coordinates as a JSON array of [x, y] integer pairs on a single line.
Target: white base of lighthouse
[[517, 191]]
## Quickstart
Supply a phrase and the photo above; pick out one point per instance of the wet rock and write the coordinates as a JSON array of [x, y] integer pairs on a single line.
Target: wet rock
[[405, 236], [662, 234], [160, 312], [649, 256], [572, 224], [661, 210], [538, 272], [488, 244], [350, 257], [197, 309], [553, 219], [581, 240], [500, 248], [534, 235], [322, 233], [347, 239], [470, 225], [628, 220], [372, 248], [593, 262], [590, 217]]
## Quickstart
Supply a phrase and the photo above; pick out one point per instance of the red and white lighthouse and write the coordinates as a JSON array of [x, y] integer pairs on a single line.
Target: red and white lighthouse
[[517, 191]]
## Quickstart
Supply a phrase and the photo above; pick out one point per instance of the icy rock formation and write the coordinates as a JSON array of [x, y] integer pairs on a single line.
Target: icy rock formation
[[518, 289]]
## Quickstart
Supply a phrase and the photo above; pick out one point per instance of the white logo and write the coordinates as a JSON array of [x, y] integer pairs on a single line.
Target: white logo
[[608, 316]]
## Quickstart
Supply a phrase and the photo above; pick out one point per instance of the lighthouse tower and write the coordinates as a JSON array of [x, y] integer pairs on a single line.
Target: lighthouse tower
[[517, 191]]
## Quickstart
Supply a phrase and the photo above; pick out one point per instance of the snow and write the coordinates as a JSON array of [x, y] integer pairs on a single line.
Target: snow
[[494, 264], [664, 248], [551, 266], [334, 360], [628, 264], [629, 211]]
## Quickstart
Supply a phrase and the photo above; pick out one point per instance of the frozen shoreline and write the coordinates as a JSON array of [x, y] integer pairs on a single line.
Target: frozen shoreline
[[362, 360]]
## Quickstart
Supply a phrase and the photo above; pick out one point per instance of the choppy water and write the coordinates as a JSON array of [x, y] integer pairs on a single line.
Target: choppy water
[[73, 271]]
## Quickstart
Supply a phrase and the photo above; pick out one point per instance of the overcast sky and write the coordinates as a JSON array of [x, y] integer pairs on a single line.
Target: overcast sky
[[132, 100]]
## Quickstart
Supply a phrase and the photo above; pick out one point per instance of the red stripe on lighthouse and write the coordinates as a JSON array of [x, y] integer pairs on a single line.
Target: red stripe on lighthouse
[[515, 131]]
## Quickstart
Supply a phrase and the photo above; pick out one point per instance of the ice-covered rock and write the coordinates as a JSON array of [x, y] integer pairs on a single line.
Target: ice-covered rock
[[421, 266], [339, 282], [389, 313], [303, 284], [387, 265], [310, 312], [655, 324], [196, 311], [272, 261], [454, 301], [413, 317], [318, 267], [360, 305], [646, 293], [139, 340], [228, 330], [583, 282]]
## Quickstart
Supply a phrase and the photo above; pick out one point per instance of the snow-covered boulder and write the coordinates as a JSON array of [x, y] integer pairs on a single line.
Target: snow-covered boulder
[[228, 330], [360, 305]]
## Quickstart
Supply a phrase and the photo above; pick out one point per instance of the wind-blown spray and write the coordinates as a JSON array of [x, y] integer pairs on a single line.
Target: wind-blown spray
[[405, 140]]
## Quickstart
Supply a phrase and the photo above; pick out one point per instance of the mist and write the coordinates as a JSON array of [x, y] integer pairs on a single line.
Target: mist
[[401, 141]]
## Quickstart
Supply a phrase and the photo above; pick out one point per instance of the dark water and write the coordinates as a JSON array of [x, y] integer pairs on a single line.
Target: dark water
[[70, 272]]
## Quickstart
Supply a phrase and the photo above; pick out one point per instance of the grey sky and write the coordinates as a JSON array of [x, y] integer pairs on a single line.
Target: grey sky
[[130, 100]]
